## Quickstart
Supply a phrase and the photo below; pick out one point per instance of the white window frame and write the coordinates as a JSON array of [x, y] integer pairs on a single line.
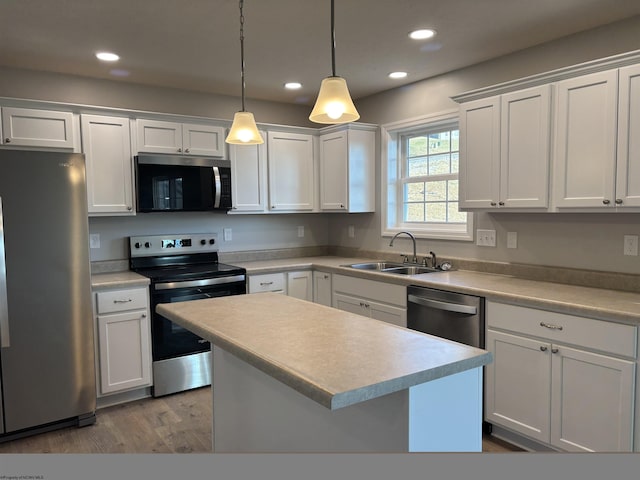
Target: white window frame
[[391, 186]]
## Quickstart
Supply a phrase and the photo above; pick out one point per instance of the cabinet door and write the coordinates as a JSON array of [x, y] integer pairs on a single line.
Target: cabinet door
[[628, 165], [585, 142], [24, 127], [524, 150], [480, 153], [125, 361], [269, 282], [249, 177], [300, 285], [333, 171], [388, 313], [106, 144], [350, 304], [517, 390], [592, 401], [291, 171], [203, 140], [159, 137], [322, 288]]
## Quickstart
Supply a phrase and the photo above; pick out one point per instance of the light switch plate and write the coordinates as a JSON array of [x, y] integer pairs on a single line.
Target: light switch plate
[[631, 245], [301, 231], [352, 231], [512, 239], [227, 234], [94, 240], [486, 238]]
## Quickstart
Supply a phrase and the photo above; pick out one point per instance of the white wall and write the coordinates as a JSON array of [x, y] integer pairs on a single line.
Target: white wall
[[589, 241]]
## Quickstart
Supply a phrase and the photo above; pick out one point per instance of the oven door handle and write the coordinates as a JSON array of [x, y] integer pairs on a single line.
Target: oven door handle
[[199, 283], [446, 306]]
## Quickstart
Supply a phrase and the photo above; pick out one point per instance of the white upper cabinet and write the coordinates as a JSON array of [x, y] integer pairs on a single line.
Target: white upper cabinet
[[504, 145], [249, 177], [585, 142], [628, 164], [347, 170], [156, 136], [47, 129], [291, 171], [106, 144]]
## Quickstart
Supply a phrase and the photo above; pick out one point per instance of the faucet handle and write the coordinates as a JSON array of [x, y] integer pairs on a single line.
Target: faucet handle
[[405, 258], [425, 261]]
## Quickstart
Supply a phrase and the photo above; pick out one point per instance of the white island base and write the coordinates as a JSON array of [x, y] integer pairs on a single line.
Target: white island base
[[253, 412]]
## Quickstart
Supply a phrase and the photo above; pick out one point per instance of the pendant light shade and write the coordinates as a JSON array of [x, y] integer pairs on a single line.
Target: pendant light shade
[[244, 130], [334, 104]]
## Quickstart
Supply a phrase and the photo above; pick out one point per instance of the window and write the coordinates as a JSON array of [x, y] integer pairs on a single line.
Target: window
[[421, 184]]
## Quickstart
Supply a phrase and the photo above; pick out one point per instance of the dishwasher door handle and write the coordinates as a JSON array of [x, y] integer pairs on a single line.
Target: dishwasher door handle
[[439, 305]]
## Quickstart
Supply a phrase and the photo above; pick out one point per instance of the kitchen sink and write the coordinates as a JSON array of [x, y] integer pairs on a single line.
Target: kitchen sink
[[393, 267]]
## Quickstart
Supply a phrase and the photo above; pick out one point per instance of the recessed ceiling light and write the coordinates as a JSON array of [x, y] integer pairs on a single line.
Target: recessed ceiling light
[[292, 85], [397, 74], [422, 34], [107, 56]]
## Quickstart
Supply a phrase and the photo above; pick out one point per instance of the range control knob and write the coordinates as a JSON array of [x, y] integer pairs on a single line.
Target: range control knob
[[212, 241], [147, 244], [203, 242], [137, 245]]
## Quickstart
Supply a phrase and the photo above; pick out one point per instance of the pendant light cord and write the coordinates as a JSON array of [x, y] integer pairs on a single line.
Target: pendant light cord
[[333, 40], [242, 50]]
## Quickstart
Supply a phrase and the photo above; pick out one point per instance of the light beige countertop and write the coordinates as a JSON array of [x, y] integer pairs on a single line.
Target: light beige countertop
[[612, 305], [334, 357], [112, 280]]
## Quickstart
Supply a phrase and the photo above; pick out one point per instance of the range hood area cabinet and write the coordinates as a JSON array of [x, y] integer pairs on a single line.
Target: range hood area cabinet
[[347, 169], [576, 129], [156, 136]]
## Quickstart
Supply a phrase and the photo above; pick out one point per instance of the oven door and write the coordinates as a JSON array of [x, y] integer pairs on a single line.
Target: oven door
[[170, 340]]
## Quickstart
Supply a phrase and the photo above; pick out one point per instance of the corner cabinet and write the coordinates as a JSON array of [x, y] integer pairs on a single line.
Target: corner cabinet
[[43, 129], [106, 144], [562, 380], [505, 151], [347, 169], [123, 340], [155, 136], [322, 288], [377, 300], [298, 284], [291, 175]]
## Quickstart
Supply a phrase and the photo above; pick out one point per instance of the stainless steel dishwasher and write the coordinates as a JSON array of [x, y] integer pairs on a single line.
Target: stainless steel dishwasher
[[449, 315]]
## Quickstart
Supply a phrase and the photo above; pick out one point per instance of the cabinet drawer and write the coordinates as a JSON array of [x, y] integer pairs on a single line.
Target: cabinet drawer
[[122, 300], [271, 282], [379, 291], [600, 335]]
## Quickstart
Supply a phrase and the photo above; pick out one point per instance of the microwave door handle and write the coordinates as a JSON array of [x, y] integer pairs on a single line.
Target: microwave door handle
[[217, 185], [446, 306], [4, 307]]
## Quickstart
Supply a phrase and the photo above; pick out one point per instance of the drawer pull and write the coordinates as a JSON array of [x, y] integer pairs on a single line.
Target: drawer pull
[[264, 284], [543, 348], [554, 350], [122, 301], [550, 326]]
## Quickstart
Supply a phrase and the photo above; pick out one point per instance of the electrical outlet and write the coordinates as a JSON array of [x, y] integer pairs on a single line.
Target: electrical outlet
[[486, 238], [227, 234], [352, 231], [512, 239], [631, 245], [301, 231], [94, 240]]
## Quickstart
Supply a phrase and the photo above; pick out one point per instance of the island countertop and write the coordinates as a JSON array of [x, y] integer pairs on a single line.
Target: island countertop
[[334, 357]]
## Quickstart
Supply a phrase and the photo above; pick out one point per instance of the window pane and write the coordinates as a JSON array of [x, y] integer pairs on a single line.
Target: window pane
[[452, 186], [455, 162], [436, 212], [417, 146], [439, 143], [417, 166], [454, 215], [414, 212], [414, 192], [439, 165], [455, 140], [436, 191]]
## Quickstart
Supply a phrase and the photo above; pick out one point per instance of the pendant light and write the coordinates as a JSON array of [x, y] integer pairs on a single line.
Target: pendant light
[[243, 129], [334, 104]]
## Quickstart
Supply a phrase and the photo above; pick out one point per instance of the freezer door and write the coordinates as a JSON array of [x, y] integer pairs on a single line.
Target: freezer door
[[4, 311], [48, 371]]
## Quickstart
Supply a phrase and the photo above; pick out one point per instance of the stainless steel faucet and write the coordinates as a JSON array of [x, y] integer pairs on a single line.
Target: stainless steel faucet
[[413, 239]]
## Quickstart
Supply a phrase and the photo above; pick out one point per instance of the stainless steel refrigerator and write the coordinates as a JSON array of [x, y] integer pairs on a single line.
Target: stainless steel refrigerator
[[47, 372]]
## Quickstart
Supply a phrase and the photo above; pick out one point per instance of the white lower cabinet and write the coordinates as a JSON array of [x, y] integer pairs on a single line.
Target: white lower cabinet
[[322, 288], [123, 340], [377, 300], [561, 380], [268, 282], [300, 285], [297, 284]]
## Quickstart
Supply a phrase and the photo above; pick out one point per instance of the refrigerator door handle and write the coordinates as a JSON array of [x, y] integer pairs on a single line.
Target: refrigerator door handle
[[4, 307]]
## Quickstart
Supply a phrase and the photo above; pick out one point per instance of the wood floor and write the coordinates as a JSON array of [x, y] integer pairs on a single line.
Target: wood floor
[[179, 423]]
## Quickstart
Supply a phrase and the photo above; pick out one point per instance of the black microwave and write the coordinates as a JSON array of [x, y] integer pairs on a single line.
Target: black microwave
[[167, 183]]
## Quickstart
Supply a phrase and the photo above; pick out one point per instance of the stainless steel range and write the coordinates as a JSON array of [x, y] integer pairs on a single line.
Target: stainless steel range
[[182, 267]]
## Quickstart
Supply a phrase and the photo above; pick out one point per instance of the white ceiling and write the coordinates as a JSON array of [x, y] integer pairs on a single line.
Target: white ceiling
[[194, 44]]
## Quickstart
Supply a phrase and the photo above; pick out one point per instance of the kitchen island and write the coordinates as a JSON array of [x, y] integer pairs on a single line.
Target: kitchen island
[[294, 376]]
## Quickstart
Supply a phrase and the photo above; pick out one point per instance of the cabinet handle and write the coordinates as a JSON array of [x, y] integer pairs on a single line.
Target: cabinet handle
[[501, 204], [550, 326], [554, 350], [493, 204], [186, 150], [264, 284], [7, 140], [543, 348], [179, 150], [606, 202], [144, 315], [122, 301], [129, 207], [326, 277], [618, 201]]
